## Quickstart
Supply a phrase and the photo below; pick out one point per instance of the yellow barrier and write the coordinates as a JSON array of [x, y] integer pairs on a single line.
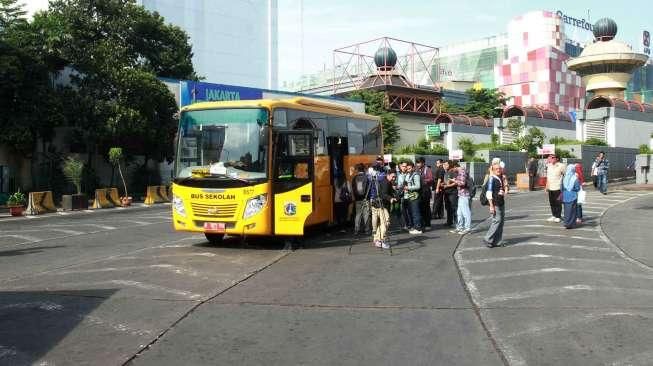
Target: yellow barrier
[[156, 194], [114, 197], [101, 200], [40, 202]]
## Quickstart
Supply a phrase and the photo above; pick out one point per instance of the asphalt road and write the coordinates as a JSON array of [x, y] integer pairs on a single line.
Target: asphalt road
[[121, 287], [553, 296]]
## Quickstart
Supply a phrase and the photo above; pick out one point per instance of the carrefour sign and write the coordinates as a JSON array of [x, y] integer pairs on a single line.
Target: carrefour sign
[[580, 23], [194, 91]]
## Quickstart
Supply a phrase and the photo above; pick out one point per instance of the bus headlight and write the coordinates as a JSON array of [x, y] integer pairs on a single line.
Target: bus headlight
[[255, 205], [178, 206]]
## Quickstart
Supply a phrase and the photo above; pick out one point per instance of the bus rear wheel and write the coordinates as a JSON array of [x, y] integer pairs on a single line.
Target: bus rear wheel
[[214, 238]]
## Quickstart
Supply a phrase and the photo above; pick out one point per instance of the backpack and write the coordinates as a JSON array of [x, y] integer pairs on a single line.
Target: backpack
[[360, 186], [345, 195], [483, 197], [470, 185]]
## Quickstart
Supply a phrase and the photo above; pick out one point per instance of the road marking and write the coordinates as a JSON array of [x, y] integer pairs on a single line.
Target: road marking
[[542, 244], [561, 290], [569, 323], [558, 270], [542, 256], [575, 237], [149, 286], [643, 358], [43, 305], [173, 268], [7, 351], [120, 327], [516, 225], [28, 239]]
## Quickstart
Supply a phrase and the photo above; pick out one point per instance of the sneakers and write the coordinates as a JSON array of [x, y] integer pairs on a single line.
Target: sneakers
[[377, 243], [456, 231], [463, 232], [579, 221], [556, 220], [551, 219], [385, 245], [415, 231]]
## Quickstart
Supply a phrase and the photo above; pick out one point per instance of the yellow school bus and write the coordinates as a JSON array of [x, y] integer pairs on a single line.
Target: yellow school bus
[[265, 167]]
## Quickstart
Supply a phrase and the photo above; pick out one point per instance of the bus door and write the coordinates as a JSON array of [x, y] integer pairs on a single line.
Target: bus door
[[292, 188]]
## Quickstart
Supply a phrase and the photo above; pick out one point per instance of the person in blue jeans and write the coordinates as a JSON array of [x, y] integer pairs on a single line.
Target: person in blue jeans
[[412, 189], [464, 213], [600, 169]]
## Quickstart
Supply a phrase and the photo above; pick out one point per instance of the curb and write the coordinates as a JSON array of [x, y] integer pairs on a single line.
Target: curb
[[608, 240], [139, 207]]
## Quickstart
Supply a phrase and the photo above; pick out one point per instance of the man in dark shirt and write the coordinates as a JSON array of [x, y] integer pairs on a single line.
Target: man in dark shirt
[[381, 209], [495, 194], [532, 173], [438, 200], [451, 191]]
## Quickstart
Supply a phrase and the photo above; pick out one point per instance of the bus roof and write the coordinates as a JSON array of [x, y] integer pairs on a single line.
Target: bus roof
[[301, 103]]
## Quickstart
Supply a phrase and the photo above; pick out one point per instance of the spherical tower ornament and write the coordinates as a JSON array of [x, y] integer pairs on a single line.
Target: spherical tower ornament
[[385, 58], [605, 29]]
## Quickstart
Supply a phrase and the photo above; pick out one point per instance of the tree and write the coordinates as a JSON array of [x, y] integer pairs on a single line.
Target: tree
[[486, 103], [115, 155], [72, 169], [117, 49], [11, 13], [375, 105]]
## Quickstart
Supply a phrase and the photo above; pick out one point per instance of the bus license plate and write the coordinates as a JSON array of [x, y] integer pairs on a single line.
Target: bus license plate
[[216, 227]]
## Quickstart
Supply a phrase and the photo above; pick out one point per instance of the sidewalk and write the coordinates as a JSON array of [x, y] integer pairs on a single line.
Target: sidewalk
[[628, 226], [138, 206]]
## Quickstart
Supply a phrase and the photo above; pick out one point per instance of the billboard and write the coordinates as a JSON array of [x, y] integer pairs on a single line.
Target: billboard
[[195, 91]]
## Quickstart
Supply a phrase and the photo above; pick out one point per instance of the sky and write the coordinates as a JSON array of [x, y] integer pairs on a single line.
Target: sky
[[331, 24], [432, 22]]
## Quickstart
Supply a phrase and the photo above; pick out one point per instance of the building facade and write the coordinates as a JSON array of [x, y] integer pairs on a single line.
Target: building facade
[[234, 42]]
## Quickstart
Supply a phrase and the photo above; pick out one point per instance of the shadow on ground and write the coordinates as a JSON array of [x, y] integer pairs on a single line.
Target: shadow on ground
[[33, 322]]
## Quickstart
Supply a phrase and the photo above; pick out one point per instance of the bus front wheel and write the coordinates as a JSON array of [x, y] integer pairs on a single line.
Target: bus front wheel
[[214, 238]]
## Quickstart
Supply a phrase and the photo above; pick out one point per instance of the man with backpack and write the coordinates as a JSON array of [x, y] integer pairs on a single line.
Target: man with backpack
[[360, 184], [426, 182], [466, 187]]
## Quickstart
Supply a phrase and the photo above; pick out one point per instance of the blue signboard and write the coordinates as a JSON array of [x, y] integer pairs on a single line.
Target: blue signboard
[[194, 91]]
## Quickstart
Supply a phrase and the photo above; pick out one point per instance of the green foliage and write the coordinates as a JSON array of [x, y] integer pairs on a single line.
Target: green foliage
[[115, 154], [644, 149], [485, 102], [73, 169], [530, 141], [596, 142], [494, 138], [560, 153], [515, 126], [375, 105], [11, 13], [467, 146], [446, 107], [17, 199], [423, 147], [557, 140]]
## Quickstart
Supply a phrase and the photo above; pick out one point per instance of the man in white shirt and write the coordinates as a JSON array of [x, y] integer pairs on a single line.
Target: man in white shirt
[[555, 170]]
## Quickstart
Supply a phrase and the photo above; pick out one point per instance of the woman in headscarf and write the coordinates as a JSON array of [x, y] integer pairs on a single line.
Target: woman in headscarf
[[570, 188]]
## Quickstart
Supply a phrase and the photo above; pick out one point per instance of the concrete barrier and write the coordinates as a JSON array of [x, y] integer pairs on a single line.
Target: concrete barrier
[[40, 202], [156, 194], [101, 199], [114, 197]]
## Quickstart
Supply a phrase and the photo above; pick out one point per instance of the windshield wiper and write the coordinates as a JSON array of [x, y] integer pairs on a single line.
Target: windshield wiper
[[229, 177]]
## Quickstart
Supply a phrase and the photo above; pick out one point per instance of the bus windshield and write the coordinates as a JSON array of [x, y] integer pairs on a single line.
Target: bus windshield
[[223, 144]]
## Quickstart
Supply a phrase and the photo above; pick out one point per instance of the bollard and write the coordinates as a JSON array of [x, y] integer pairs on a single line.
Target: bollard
[[40, 202], [101, 200], [114, 197]]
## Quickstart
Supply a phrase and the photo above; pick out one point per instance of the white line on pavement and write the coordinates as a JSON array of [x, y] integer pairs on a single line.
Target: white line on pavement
[[542, 244], [43, 305], [643, 359], [543, 256], [28, 239], [547, 270], [517, 226], [120, 327], [173, 268], [562, 290]]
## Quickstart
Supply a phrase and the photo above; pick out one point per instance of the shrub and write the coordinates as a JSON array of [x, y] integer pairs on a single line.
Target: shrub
[[17, 199], [596, 142], [73, 169], [644, 149], [560, 153]]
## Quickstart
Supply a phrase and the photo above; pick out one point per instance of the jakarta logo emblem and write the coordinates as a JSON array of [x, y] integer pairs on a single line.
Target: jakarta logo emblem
[[290, 209]]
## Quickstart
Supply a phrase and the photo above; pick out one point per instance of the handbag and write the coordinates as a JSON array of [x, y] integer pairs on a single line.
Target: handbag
[[582, 196]]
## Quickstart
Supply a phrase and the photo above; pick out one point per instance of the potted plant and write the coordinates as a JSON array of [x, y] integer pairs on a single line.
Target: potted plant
[[115, 154], [73, 169], [16, 203]]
